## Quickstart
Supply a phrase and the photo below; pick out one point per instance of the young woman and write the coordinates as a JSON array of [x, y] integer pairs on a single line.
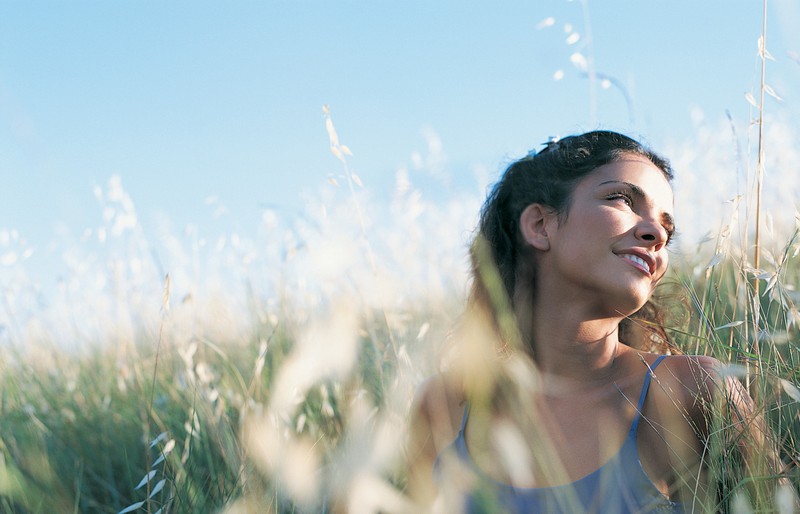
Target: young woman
[[576, 409]]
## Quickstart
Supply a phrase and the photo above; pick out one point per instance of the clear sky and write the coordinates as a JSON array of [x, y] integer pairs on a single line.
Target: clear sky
[[188, 100]]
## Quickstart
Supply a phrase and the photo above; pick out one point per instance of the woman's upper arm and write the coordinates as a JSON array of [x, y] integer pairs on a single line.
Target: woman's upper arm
[[711, 388], [700, 377], [430, 431]]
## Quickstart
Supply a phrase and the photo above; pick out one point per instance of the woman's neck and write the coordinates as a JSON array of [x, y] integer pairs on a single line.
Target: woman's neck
[[569, 343]]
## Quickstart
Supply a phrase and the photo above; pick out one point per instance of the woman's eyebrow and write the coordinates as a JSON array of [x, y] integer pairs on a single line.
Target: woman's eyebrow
[[666, 218], [636, 190]]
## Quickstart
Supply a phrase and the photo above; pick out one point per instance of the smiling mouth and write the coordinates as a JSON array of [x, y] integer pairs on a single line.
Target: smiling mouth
[[637, 262]]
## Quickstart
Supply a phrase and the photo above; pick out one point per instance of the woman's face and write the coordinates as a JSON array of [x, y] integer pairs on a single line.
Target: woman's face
[[612, 245]]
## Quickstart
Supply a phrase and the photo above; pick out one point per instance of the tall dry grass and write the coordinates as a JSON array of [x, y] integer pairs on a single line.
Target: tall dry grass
[[264, 377], [263, 373], [273, 371]]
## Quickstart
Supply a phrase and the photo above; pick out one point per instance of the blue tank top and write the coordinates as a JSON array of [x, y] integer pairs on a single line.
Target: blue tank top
[[620, 486]]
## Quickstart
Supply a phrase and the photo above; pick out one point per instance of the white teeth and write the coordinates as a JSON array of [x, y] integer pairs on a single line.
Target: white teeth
[[637, 260]]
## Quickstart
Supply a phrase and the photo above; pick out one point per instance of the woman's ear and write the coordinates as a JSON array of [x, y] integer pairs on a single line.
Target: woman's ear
[[534, 224]]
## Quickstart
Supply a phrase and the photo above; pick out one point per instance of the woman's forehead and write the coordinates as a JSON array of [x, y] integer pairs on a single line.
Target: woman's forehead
[[634, 170]]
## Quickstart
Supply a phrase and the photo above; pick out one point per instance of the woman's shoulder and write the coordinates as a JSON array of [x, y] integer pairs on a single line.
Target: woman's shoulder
[[693, 371], [692, 374], [435, 420], [441, 393], [687, 363], [689, 383]]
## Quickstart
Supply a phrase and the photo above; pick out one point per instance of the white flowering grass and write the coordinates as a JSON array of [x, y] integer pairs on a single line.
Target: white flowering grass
[[196, 371]]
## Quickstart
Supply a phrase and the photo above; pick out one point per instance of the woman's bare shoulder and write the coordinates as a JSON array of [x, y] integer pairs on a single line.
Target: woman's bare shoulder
[[435, 421], [442, 393], [689, 366], [691, 383], [690, 375]]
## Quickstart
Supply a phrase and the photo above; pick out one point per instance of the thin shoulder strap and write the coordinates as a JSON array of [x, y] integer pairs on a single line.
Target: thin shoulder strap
[[464, 419], [645, 386]]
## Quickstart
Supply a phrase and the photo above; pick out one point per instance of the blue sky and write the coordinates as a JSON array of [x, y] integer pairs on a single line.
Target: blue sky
[[190, 100]]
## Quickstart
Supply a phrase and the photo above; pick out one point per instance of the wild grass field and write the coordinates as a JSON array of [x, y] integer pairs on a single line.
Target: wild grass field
[[273, 372], [201, 370]]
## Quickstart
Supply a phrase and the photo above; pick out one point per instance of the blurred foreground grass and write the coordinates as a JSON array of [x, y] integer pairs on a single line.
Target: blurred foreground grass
[[279, 420], [274, 372], [267, 372], [307, 413]]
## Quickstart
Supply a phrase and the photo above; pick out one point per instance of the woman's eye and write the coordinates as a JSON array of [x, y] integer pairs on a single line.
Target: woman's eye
[[670, 236], [623, 197]]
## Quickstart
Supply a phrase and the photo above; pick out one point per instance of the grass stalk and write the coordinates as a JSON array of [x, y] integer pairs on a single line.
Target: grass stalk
[[756, 318]]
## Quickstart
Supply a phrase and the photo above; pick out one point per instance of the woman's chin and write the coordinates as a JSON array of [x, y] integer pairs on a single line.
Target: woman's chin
[[631, 303]]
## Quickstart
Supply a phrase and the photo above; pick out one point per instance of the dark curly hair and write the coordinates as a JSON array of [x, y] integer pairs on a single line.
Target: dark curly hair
[[501, 263]]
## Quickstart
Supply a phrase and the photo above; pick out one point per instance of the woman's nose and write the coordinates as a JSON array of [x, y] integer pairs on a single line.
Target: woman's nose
[[653, 233]]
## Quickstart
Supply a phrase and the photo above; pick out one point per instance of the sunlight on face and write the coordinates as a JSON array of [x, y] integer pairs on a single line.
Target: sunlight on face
[[614, 237]]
